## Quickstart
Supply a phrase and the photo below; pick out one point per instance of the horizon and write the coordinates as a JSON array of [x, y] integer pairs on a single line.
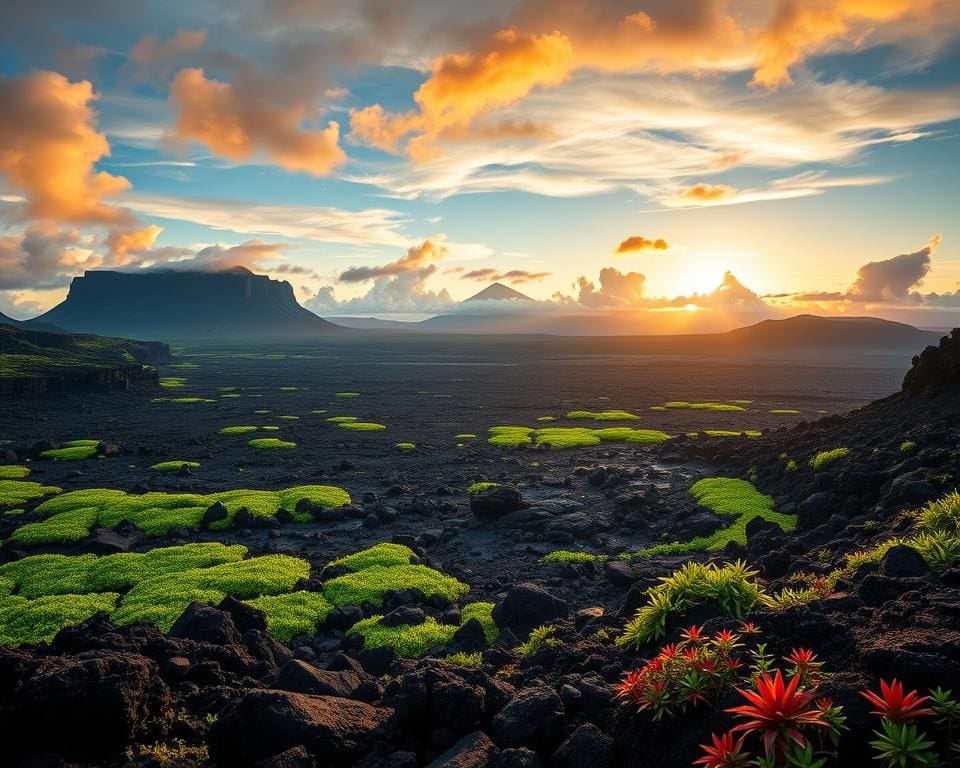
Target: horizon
[[721, 160]]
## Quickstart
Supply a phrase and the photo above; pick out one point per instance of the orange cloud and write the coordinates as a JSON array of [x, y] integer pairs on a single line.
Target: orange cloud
[[640, 243], [417, 258], [707, 193], [49, 146], [239, 123], [123, 244]]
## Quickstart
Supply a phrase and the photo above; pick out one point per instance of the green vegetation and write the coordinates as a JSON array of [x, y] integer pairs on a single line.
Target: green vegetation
[[566, 556], [13, 472], [385, 554], [371, 584], [341, 419], [466, 436], [363, 426], [628, 435], [731, 587], [417, 640], [566, 437], [174, 465], [35, 621], [14, 493], [727, 497], [681, 404], [270, 443], [613, 415], [464, 659], [289, 389], [825, 458], [546, 418], [407, 446], [540, 637], [292, 614], [784, 411], [482, 487], [183, 400], [239, 430], [509, 436], [72, 450], [573, 437], [907, 446], [346, 394], [172, 382], [731, 433], [71, 516], [290, 418], [270, 428]]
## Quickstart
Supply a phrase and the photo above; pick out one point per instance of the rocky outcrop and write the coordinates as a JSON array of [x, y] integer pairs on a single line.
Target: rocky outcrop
[[935, 369]]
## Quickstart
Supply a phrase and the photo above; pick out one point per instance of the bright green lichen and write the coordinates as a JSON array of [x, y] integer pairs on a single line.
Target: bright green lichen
[[613, 415], [482, 487], [270, 443], [466, 436], [566, 556], [341, 419], [825, 458], [172, 382], [292, 614], [371, 584], [14, 493], [731, 433], [72, 450], [346, 394], [385, 554], [174, 464], [784, 411], [238, 430], [35, 621], [13, 472], [681, 404], [363, 426], [407, 446]]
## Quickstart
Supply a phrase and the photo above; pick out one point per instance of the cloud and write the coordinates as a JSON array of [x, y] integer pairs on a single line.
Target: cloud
[[515, 276], [50, 146], [416, 259], [708, 193], [730, 294], [893, 279], [213, 258], [124, 244], [639, 243], [151, 57], [243, 122], [617, 289], [323, 224], [42, 256]]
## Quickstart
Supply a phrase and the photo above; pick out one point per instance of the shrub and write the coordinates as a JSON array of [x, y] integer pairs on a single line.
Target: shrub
[[825, 458], [385, 554], [13, 472], [565, 556], [732, 587], [371, 584], [174, 465], [464, 659], [363, 426], [292, 614], [270, 443], [541, 637]]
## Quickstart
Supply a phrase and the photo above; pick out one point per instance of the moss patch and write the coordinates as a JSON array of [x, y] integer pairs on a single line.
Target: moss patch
[[612, 415], [466, 436], [14, 493], [72, 450], [566, 556], [346, 394], [174, 465], [238, 430], [413, 641], [682, 404], [406, 446], [292, 614], [271, 444], [784, 411], [824, 459], [342, 419], [482, 487], [371, 584], [385, 554], [172, 382], [363, 426], [13, 472]]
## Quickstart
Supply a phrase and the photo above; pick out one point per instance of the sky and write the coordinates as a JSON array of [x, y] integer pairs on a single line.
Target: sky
[[393, 157]]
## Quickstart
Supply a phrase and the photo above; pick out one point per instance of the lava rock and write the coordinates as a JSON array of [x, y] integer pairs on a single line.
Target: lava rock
[[295, 757], [527, 606], [299, 677], [475, 750], [587, 745], [533, 719], [496, 503], [903, 561], [815, 510], [206, 624]]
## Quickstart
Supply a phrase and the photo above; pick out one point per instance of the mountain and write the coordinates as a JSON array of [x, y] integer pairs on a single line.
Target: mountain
[[32, 324], [234, 304], [34, 361], [498, 292], [816, 331]]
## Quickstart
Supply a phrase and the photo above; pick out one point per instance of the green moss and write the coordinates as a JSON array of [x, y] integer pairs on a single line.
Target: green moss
[[907, 446], [825, 458], [290, 418], [612, 415], [263, 411], [482, 612], [346, 394], [363, 426], [270, 428], [731, 498], [629, 435], [14, 493], [289, 389], [35, 621], [682, 404], [567, 437], [784, 411], [510, 437], [546, 418], [230, 396], [731, 433], [573, 437], [172, 382], [292, 614], [466, 436], [464, 659], [406, 640], [174, 464], [407, 446], [72, 450], [482, 487], [385, 554], [566, 556], [540, 637], [507, 430], [371, 584], [156, 513], [13, 472], [270, 444], [341, 419]]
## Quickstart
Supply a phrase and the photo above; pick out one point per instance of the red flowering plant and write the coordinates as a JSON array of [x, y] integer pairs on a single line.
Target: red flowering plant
[[900, 743], [684, 674]]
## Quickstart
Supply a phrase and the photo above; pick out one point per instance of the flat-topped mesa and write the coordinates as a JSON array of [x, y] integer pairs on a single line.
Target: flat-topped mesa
[[936, 369], [169, 304]]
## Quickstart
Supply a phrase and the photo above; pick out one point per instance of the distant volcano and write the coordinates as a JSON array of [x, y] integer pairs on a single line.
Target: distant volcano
[[169, 305], [498, 292]]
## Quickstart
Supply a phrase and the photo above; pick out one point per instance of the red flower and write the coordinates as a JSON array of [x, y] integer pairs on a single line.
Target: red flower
[[749, 628], [776, 711], [631, 687], [893, 705], [725, 752], [693, 635], [802, 657]]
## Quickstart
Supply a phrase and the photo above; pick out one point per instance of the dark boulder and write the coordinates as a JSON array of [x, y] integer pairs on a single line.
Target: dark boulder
[[263, 723], [216, 511], [299, 677], [815, 510], [496, 503], [903, 561], [475, 750], [206, 624], [587, 745], [527, 606], [295, 757], [534, 719]]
